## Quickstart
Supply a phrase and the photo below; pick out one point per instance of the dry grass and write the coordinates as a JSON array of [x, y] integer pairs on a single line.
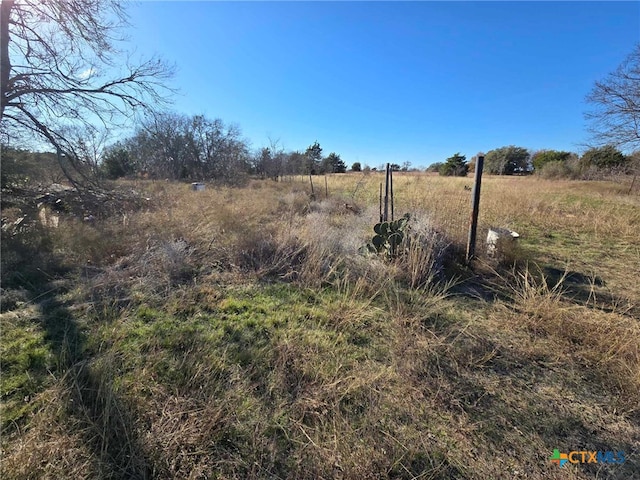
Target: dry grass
[[239, 333], [604, 343]]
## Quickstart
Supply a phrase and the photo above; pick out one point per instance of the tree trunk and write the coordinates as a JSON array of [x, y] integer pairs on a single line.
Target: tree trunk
[[5, 61]]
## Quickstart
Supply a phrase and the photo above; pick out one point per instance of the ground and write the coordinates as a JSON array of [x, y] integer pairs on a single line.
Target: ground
[[242, 333]]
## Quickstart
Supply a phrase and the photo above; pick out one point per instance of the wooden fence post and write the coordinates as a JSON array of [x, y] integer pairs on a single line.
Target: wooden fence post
[[475, 206], [313, 193], [632, 182]]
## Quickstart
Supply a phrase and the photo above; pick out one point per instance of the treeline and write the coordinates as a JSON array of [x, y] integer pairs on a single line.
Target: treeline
[[595, 163], [511, 160], [180, 147], [22, 167], [195, 148]]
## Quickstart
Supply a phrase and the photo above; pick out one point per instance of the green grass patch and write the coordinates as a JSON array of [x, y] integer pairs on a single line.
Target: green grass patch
[[27, 361]]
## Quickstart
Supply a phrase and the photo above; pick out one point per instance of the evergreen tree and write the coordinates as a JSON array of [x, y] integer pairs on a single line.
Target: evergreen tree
[[455, 166], [314, 158], [334, 164]]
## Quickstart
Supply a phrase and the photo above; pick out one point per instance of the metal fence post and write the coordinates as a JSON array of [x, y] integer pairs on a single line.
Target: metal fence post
[[380, 204], [391, 181], [386, 196], [475, 206]]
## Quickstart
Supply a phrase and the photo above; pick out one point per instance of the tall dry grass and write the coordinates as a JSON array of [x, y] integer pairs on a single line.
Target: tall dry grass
[[268, 230], [606, 342], [240, 333]]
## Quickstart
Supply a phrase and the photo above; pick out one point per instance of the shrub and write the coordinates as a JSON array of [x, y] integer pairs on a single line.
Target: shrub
[[602, 157], [540, 159], [434, 167], [414, 247], [117, 163], [556, 169], [425, 254]]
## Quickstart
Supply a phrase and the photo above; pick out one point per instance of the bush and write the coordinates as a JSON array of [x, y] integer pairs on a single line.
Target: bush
[[425, 255], [602, 157], [540, 159], [557, 169], [117, 163], [434, 167], [596, 164]]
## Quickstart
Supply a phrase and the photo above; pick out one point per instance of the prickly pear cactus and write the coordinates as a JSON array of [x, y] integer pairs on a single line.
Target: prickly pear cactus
[[388, 237]]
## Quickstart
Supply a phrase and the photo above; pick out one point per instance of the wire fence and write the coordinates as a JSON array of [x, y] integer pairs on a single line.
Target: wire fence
[[444, 202]]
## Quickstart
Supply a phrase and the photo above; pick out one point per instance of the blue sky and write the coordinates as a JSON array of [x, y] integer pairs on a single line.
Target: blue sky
[[390, 81]]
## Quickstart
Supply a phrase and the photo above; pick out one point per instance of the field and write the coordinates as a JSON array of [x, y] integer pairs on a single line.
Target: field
[[240, 333]]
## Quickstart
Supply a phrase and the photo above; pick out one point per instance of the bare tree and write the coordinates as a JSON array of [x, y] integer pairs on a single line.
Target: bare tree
[[275, 166], [615, 118], [172, 145], [62, 72]]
